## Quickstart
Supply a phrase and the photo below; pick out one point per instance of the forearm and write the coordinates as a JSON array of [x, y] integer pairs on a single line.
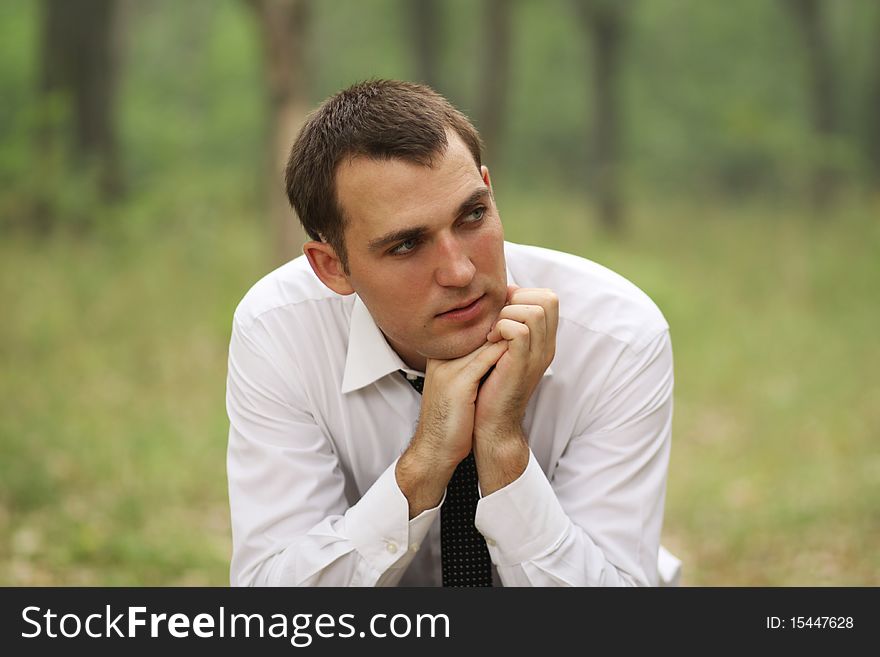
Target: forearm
[[326, 556], [533, 541], [369, 544], [315, 561], [501, 459], [574, 561], [422, 479]]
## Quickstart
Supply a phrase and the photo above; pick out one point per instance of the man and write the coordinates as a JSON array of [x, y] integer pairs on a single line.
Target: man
[[411, 344]]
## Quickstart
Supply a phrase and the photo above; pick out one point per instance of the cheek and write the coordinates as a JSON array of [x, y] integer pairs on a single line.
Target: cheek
[[403, 303], [493, 232], [490, 249]]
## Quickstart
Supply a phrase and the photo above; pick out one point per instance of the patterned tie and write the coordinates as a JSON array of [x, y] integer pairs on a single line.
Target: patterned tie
[[465, 558]]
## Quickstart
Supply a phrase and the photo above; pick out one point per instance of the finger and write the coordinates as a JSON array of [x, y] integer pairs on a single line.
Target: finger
[[532, 316], [543, 297], [549, 301], [465, 371], [494, 336], [517, 336], [511, 290], [483, 358], [461, 360]]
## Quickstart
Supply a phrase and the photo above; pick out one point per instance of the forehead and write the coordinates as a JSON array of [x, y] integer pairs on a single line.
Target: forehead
[[377, 196]]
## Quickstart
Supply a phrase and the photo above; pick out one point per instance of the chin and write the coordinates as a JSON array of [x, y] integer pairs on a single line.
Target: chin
[[459, 346]]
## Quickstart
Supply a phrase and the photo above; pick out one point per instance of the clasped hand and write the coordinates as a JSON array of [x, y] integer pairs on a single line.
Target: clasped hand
[[457, 410], [458, 414], [528, 325]]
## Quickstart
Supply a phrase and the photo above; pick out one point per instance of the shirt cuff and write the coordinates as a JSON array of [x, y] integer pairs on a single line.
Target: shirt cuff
[[523, 520], [379, 524]]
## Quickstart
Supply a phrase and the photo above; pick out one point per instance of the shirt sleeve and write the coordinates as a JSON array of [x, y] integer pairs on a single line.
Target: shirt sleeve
[[291, 522], [597, 521]]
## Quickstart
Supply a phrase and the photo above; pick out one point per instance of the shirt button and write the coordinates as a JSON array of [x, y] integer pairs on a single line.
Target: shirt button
[[411, 376], [490, 542], [391, 547], [414, 547]]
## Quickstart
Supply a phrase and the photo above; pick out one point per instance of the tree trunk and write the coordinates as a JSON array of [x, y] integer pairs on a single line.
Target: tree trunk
[[823, 108], [283, 24], [426, 31], [78, 64], [496, 75], [873, 128], [603, 22]]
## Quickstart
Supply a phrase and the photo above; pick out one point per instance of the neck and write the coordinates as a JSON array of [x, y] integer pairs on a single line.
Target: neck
[[413, 359]]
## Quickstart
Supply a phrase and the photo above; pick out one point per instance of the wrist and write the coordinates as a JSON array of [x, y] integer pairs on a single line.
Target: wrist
[[439, 449], [500, 442], [508, 432], [421, 480], [500, 462]]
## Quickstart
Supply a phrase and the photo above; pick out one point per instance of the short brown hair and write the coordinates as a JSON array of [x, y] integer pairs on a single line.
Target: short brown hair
[[381, 119]]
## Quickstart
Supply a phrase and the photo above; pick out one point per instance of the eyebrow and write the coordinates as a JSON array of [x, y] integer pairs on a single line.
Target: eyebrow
[[418, 232], [414, 233]]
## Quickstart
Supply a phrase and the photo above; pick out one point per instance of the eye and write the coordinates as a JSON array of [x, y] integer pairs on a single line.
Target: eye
[[476, 214], [404, 247]]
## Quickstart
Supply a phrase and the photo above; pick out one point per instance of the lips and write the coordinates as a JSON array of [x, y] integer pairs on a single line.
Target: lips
[[462, 309]]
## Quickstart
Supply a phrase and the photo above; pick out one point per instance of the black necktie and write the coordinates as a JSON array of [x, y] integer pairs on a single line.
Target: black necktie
[[465, 558]]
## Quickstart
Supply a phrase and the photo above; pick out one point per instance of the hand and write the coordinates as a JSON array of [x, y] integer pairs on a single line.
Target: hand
[[446, 425], [446, 420], [528, 324]]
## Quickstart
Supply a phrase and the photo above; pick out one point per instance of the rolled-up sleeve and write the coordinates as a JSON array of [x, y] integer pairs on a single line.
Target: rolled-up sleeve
[[291, 522], [597, 520]]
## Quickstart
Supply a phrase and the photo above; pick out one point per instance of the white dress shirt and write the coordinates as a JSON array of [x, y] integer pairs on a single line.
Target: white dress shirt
[[319, 416]]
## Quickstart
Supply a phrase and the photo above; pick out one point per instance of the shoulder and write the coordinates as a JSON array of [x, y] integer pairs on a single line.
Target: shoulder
[[292, 288], [591, 297]]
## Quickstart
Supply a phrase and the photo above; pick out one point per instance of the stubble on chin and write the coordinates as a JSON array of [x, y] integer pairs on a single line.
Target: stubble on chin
[[468, 341]]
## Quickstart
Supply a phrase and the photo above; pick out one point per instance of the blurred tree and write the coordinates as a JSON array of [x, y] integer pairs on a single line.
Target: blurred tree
[[427, 33], [811, 24], [604, 22], [873, 127], [284, 25], [492, 96], [79, 51]]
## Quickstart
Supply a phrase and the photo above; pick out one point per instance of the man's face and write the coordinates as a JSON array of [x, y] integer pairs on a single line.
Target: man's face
[[425, 251]]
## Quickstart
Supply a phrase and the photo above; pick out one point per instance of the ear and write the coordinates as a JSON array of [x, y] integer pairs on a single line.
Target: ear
[[327, 266], [484, 173]]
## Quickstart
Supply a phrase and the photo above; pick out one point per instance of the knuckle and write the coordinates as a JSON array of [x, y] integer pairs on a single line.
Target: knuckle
[[550, 296]]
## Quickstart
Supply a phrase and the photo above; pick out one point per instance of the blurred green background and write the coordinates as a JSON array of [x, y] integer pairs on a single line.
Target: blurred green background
[[723, 156]]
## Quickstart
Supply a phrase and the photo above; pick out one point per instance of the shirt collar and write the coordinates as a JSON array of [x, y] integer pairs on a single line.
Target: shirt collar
[[369, 356]]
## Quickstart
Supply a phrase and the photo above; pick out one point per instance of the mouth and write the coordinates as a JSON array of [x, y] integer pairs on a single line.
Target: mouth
[[464, 311]]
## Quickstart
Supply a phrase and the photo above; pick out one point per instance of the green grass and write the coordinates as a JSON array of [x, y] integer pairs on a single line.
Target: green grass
[[775, 471], [112, 437], [112, 378]]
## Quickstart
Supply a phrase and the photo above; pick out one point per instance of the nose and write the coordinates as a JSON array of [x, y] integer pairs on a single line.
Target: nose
[[454, 267]]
